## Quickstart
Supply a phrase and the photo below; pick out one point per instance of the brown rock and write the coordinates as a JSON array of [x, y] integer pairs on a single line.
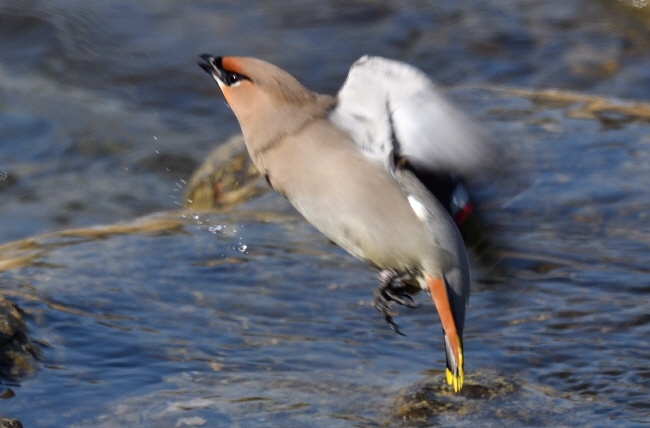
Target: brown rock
[[227, 177], [10, 423], [17, 355]]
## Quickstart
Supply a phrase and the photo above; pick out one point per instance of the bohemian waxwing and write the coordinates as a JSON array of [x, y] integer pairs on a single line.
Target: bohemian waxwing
[[354, 166]]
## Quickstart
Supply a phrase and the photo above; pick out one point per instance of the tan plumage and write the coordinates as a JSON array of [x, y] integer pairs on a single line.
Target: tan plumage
[[309, 148]]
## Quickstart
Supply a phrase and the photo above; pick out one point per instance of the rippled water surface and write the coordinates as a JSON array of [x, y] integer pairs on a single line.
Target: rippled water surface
[[251, 317]]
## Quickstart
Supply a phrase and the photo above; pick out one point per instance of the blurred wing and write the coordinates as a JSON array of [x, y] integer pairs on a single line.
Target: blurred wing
[[392, 109]]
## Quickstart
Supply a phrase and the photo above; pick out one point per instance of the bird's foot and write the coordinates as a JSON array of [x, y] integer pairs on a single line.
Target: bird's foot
[[390, 290]]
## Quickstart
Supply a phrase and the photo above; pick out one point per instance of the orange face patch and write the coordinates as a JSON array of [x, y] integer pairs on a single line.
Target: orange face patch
[[227, 93], [230, 63]]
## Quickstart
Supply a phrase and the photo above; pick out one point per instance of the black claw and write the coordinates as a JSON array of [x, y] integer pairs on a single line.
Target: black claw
[[393, 326], [389, 292], [401, 298], [383, 306]]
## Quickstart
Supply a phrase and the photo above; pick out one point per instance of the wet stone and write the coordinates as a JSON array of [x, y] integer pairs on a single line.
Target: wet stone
[[10, 423], [17, 355], [226, 178], [426, 401]]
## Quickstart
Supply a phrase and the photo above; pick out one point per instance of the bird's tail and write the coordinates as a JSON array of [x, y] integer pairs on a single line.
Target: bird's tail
[[453, 339], [454, 373]]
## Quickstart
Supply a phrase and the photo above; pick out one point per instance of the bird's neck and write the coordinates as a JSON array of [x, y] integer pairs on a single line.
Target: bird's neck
[[267, 128]]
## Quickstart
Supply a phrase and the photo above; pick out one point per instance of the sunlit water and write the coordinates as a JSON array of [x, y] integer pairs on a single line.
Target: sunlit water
[[252, 318]]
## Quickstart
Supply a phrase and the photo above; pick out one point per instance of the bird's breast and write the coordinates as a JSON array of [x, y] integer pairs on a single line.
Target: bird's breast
[[351, 199]]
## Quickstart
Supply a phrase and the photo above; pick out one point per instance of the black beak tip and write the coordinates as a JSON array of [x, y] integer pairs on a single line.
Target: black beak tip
[[208, 65], [207, 58], [211, 65]]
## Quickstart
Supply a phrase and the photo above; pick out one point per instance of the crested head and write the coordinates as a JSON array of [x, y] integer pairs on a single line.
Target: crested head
[[266, 99], [250, 83]]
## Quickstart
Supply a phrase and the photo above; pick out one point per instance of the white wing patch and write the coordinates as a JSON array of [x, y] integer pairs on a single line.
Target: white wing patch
[[420, 210]]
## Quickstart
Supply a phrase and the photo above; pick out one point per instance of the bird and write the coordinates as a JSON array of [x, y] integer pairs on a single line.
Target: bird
[[377, 168]]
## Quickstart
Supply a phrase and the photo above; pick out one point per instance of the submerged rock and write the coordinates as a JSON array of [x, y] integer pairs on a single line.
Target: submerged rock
[[431, 398], [17, 354], [227, 177], [10, 423]]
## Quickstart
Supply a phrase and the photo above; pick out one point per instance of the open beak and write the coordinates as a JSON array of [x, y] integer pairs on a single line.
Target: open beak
[[212, 66]]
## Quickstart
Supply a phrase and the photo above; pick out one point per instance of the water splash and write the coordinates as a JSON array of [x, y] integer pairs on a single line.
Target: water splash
[[215, 229]]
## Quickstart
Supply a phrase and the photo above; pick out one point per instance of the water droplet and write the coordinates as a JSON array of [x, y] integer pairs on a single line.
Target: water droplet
[[196, 216], [242, 248], [215, 229]]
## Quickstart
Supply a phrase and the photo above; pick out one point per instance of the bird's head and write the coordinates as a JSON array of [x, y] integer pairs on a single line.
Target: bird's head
[[266, 100]]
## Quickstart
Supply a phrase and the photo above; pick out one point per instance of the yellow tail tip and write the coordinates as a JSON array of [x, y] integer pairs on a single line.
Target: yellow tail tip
[[456, 379]]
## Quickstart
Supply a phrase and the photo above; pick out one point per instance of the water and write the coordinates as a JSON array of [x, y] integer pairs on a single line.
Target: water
[[252, 318]]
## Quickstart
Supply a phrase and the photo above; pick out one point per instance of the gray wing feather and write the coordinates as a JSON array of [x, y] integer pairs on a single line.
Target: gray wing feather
[[451, 257], [392, 108]]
